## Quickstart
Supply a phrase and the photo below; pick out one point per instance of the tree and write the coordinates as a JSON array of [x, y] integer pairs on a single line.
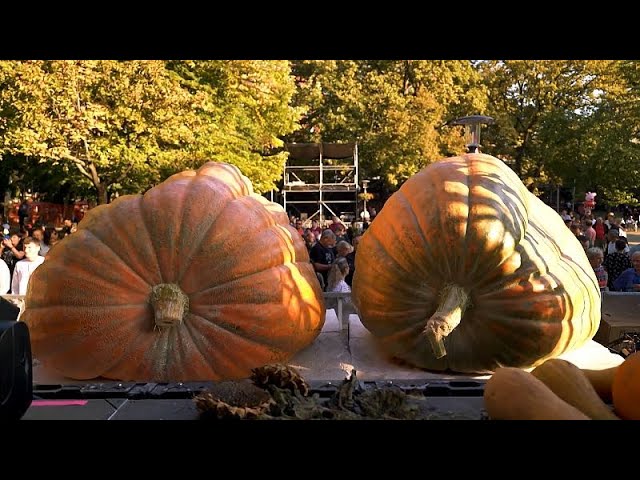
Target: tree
[[108, 119], [396, 110], [127, 125], [549, 116], [615, 162], [246, 112]]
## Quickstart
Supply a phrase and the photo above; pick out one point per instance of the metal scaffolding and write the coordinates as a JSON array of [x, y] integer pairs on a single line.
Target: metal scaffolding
[[324, 175]]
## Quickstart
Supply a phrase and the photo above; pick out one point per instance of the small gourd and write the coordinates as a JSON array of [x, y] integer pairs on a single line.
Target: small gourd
[[514, 394], [602, 381], [569, 383]]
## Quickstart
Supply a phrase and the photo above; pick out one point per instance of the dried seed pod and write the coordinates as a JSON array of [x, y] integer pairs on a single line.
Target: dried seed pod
[[233, 400], [281, 376]]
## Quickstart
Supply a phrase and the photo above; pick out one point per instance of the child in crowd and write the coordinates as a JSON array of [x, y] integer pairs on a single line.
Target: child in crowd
[[596, 257]]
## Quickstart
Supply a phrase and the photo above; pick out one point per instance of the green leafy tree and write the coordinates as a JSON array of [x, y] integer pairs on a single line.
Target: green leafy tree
[[615, 162], [124, 126], [549, 117], [246, 112], [107, 119], [396, 110]]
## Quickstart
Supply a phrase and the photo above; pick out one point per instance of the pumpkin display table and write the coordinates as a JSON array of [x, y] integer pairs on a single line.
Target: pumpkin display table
[[324, 363], [463, 270]]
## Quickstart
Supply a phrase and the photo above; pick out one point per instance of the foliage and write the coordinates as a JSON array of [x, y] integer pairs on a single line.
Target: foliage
[[568, 123], [246, 112], [396, 110], [117, 127], [126, 125]]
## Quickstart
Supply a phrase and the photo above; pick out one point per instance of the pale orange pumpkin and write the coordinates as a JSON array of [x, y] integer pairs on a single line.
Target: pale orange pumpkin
[[465, 269], [197, 279]]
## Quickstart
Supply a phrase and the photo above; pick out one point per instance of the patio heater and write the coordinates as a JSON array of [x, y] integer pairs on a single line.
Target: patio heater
[[365, 213], [472, 125]]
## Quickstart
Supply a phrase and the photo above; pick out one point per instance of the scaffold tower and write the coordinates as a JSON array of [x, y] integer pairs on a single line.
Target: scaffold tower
[[323, 176]]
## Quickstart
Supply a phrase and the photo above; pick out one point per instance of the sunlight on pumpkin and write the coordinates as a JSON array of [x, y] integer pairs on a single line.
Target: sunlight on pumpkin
[[513, 263], [457, 213], [483, 210], [297, 293], [286, 244], [187, 173], [534, 258], [494, 203], [346, 368], [564, 293], [275, 210], [567, 330], [456, 188], [488, 212], [496, 238], [516, 201], [543, 284], [228, 174]]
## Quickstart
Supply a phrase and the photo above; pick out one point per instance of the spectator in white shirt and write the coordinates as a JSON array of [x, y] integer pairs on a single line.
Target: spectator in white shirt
[[612, 236], [24, 268], [5, 277]]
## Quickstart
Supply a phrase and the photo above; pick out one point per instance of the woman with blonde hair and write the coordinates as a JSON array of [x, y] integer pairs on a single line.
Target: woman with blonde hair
[[338, 272]]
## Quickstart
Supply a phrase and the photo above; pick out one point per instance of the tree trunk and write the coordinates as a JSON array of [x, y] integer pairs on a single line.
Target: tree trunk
[[103, 197], [101, 187], [518, 163]]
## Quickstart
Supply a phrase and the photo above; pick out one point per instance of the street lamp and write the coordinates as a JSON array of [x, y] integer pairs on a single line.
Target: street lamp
[[472, 125]]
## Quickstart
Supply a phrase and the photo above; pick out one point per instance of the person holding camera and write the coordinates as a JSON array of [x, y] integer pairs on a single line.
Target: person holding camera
[[11, 251]]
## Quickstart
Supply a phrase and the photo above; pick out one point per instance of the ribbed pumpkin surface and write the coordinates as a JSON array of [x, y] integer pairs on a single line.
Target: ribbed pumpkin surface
[[253, 297], [469, 222]]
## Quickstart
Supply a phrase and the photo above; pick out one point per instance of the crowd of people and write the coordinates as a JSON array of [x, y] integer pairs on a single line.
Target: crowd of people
[[25, 248], [332, 250], [604, 240]]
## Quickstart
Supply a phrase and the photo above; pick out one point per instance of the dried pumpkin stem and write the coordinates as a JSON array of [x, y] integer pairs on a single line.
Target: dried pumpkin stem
[[169, 303], [454, 300]]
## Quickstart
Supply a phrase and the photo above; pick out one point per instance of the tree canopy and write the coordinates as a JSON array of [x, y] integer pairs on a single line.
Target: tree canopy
[[124, 126], [113, 127], [397, 111]]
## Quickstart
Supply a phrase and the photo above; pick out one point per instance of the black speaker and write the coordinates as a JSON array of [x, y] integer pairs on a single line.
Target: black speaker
[[8, 310], [16, 378]]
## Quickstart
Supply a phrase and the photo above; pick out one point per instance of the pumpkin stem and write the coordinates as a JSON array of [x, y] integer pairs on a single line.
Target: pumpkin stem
[[454, 300], [169, 303]]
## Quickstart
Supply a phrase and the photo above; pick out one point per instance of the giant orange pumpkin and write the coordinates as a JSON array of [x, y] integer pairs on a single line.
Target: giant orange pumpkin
[[465, 269], [199, 278]]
